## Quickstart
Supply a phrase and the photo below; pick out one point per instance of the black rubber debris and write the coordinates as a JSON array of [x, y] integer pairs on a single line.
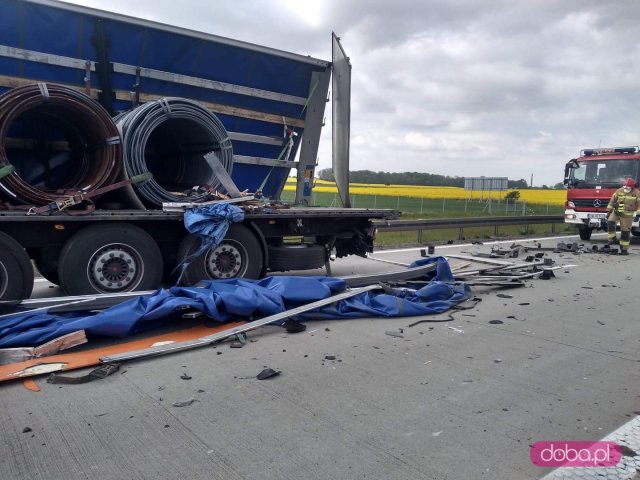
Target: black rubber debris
[[329, 357], [496, 322], [26, 430], [291, 326], [184, 376], [504, 295], [626, 451], [267, 373]]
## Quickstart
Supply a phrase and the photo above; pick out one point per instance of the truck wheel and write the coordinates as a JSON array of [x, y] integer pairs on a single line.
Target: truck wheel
[[239, 255], [585, 233], [16, 271], [296, 257], [112, 258]]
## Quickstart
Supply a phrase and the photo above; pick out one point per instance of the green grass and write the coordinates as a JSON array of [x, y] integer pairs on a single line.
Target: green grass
[[439, 236], [433, 208], [417, 208]]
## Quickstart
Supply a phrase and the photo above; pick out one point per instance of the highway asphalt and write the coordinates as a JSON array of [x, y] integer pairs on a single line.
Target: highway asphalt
[[460, 399]]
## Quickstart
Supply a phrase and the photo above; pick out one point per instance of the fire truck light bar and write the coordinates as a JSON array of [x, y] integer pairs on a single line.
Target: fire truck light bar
[[604, 151]]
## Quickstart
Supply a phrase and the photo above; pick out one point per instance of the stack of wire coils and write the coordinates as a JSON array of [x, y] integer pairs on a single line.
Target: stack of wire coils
[[55, 141], [169, 138]]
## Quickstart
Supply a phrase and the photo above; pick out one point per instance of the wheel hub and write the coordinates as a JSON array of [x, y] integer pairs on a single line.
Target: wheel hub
[[114, 268], [225, 261]]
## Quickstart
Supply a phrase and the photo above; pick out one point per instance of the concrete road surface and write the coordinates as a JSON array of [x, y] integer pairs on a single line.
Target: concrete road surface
[[460, 399]]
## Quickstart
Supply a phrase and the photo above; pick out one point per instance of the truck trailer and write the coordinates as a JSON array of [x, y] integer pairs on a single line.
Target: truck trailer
[[106, 119], [591, 180]]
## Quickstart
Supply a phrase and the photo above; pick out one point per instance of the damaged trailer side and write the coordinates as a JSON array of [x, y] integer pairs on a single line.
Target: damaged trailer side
[[193, 113]]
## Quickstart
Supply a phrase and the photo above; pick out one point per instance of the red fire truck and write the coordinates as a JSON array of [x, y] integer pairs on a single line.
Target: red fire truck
[[591, 179]]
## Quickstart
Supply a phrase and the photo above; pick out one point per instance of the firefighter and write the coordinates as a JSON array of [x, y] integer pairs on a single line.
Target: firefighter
[[623, 206]]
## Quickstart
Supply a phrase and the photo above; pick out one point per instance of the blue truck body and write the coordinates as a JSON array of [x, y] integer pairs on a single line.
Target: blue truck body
[[270, 102], [259, 94]]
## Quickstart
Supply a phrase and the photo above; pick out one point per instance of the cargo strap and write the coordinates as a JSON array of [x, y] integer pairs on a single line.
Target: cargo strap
[[97, 374], [85, 197]]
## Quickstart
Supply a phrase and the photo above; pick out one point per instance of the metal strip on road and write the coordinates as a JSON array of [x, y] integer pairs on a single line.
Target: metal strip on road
[[629, 436], [211, 339]]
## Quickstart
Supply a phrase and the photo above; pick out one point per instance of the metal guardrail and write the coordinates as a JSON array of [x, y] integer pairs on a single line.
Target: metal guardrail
[[461, 223]]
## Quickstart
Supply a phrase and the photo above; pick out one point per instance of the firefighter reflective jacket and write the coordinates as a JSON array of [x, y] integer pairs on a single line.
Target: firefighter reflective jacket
[[625, 204]]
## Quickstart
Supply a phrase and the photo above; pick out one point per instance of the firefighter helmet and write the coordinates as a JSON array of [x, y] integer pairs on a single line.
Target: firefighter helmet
[[629, 183]]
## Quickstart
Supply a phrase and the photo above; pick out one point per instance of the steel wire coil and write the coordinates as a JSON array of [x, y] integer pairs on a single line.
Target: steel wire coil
[[33, 119], [169, 138]]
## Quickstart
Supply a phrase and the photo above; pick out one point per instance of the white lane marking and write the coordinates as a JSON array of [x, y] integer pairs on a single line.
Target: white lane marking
[[629, 436]]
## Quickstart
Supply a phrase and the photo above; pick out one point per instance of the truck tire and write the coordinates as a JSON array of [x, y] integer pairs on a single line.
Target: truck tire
[[16, 271], [585, 233], [296, 257], [111, 258], [239, 255]]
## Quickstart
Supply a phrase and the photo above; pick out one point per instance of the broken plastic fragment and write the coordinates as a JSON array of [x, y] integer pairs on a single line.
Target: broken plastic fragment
[[394, 334], [267, 373], [291, 326], [186, 403]]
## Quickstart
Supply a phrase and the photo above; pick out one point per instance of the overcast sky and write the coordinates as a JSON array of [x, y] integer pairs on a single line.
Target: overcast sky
[[459, 87]]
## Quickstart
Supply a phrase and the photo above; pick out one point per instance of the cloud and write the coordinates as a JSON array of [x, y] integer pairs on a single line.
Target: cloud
[[456, 87]]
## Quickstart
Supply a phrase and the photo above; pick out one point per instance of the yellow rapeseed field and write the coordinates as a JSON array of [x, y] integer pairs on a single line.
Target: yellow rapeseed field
[[529, 195]]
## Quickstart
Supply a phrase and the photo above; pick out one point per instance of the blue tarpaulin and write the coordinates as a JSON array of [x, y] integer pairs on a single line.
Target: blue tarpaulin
[[210, 223], [232, 299]]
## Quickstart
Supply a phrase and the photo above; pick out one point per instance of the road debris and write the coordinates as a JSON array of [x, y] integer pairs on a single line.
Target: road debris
[[291, 326], [391, 333], [185, 403], [267, 373]]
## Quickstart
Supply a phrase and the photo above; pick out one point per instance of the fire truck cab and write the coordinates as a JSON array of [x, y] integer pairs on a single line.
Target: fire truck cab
[[591, 179]]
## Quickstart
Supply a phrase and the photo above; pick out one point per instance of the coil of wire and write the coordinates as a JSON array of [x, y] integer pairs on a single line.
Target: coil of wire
[[169, 138], [34, 119]]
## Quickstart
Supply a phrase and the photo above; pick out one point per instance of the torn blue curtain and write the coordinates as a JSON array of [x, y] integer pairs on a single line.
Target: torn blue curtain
[[210, 223], [236, 299]]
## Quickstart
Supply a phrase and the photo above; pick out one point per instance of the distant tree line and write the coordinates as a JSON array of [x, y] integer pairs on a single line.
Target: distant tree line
[[407, 178]]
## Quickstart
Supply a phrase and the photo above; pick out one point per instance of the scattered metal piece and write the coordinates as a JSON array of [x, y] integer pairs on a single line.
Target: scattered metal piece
[[181, 206], [370, 257], [210, 339], [456, 330], [236, 344], [267, 373], [504, 295], [369, 278], [186, 403], [222, 175], [394, 334]]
